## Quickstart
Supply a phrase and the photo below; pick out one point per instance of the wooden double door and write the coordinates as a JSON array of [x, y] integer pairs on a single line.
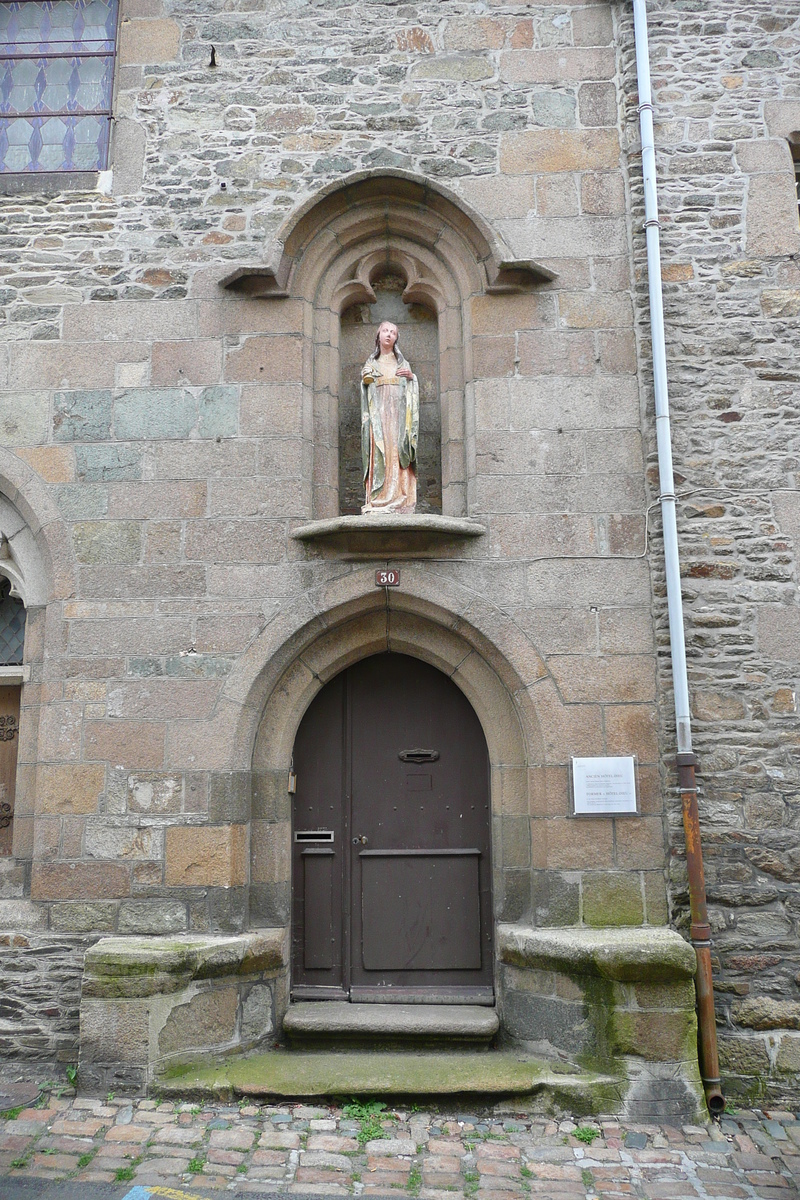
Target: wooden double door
[[391, 863]]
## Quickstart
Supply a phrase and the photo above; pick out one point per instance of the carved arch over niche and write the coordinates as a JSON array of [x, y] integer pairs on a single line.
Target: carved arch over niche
[[329, 255], [355, 197]]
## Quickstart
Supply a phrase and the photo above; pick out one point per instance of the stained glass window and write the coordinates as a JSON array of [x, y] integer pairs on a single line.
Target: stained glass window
[[12, 626], [56, 76]]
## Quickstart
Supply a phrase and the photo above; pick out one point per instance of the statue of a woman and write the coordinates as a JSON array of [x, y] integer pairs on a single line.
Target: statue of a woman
[[389, 426]]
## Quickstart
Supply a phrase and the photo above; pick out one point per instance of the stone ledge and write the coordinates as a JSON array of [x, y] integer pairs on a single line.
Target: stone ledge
[[378, 535], [16, 674], [618, 1000], [48, 183], [146, 1001], [629, 954], [127, 967]]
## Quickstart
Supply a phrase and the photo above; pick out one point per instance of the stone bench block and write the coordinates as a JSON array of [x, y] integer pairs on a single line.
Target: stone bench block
[[619, 1000], [148, 1003]]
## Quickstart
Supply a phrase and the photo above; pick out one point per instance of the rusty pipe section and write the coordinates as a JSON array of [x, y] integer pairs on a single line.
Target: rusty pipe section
[[701, 937], [701, 930]]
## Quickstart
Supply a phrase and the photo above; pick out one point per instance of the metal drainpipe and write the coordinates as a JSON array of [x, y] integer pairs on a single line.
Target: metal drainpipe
[[686, 761]]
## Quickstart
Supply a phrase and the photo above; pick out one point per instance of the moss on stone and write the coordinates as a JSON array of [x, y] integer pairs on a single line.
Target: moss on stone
[[600, 1052], [669, 1037], [651, 955], [145, 966], [665, 995], [745, 1090], [612, 899], [294, 1073]]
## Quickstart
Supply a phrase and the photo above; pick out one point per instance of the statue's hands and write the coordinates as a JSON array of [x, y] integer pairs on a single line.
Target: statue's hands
[[405, 373]]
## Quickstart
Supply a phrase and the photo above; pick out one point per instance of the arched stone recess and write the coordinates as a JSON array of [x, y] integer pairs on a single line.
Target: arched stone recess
[[38, 560], [35, 558], [431, 283], [21, 560], [330, 255]]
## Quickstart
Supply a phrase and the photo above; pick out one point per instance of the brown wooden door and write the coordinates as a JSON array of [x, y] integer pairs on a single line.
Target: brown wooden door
[[9, 744], [391, 840]]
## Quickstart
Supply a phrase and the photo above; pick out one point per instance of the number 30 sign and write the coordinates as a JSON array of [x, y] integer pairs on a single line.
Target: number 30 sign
[[387, 578]]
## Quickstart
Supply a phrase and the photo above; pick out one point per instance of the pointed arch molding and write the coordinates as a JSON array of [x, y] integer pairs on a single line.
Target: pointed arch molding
[[35, 554], [399, 204], [433, 618], [477, 646]]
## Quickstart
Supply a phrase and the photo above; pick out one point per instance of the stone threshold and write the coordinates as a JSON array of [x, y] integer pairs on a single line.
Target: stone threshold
[[283, 1074], [321, 1021]]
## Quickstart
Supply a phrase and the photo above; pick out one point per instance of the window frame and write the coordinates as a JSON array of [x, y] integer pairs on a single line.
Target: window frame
[[63, 178]]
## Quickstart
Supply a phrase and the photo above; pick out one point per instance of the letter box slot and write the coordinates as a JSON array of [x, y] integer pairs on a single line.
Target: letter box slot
[[418, 756]]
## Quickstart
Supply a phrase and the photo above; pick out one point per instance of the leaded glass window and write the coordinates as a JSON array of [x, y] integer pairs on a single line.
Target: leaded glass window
[[56, 77], [12, 626]]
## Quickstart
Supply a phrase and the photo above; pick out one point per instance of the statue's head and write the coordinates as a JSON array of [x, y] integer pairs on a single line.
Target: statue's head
[[386, 340]]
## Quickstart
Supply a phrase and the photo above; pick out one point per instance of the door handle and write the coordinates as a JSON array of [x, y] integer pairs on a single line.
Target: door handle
[[361, 841]]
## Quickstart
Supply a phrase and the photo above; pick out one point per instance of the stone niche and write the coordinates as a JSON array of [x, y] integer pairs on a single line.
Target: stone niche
[[619, 1002], [151, 1005], [387, 245]]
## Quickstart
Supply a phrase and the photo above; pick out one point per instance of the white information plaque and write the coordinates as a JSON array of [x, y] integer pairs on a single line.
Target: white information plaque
[[603, 786]]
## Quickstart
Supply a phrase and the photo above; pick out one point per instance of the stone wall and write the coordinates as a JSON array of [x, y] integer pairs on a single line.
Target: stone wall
[[40, 990], [726, 83], [159, 439], [163, 435]]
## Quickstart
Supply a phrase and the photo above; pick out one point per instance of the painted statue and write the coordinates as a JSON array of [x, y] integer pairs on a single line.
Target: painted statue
[[389, 427]]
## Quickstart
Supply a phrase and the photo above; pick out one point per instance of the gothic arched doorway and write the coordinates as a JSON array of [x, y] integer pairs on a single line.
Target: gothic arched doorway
[[391, 862]]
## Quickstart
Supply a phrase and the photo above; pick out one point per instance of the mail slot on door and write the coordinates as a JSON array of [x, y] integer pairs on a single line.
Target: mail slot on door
[[313, 835], [418, 756]]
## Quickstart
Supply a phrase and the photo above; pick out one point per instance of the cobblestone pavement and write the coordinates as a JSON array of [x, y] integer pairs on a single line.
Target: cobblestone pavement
[[329, 1150]]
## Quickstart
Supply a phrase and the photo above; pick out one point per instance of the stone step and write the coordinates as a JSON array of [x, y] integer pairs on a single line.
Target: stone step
[[529, 1083], [335, 1022]]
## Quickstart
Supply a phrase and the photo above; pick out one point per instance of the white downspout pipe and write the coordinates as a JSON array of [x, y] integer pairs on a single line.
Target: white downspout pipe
[[663, 436], [686, 761]]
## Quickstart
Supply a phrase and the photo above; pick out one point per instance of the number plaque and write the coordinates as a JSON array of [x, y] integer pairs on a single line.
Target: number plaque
[[388, 577]]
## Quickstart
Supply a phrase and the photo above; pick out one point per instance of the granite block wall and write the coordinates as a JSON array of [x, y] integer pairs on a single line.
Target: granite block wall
[[727, 91]]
